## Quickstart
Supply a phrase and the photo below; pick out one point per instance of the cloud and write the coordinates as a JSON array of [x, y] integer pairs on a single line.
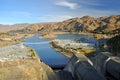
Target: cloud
[[54, 18], [68, 4]]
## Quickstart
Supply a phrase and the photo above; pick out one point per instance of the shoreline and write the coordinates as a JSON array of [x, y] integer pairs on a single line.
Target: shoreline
[[60, 50], [69, 52], [53, 35], [7, 39]]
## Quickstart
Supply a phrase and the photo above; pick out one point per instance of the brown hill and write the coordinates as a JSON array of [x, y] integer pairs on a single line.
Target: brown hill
[[111, 23], [5, 28], [85, 24]]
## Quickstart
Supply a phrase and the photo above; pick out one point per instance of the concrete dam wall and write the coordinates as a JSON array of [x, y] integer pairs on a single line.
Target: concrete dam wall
[[108, 65], [82, 68], [105, 67]]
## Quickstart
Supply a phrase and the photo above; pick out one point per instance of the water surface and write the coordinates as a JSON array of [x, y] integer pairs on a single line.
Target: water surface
[[47, 54]]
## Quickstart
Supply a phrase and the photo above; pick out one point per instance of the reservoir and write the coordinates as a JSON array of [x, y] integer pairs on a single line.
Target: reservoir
[[47, 54]]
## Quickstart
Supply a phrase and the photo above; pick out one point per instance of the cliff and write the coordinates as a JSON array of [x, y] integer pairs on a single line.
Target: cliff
[[22, 63]]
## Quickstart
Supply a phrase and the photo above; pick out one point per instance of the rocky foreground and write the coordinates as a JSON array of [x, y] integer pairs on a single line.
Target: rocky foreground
[[18, 62]]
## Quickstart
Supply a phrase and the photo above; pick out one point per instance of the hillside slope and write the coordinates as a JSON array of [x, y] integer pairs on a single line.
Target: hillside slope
[[85, 24], [107, 25], [22, 63]]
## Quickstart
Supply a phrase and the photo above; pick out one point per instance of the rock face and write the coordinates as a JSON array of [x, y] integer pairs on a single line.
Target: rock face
[[22, 63]]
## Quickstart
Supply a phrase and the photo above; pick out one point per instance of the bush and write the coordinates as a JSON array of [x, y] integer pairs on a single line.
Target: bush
[[32, 53], [114, 44]]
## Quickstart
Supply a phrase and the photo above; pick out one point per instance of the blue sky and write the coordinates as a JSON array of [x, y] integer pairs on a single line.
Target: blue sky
[[34, 11]]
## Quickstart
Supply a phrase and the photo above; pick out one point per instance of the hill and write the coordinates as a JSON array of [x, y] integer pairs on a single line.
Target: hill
[[104, 25], [5, 28]]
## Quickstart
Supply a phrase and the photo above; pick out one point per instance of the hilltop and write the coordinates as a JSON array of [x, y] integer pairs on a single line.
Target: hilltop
[[85, 24], [109, 26]]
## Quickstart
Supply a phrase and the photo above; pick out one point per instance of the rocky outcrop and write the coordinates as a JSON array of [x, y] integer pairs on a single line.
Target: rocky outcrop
[[26, 69], [22, 63]]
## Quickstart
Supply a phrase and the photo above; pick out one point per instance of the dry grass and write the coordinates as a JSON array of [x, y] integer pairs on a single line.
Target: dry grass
[[24, 70], [7, 43], [14, 38]]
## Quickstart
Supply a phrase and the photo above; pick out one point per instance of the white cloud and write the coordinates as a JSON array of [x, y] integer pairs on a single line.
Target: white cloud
[[67, 4], [54, 18]]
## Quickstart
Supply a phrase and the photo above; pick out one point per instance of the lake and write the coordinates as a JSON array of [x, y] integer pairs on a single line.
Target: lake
[[47, 54]]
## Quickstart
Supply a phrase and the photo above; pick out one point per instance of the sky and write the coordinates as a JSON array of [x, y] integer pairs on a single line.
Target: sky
[[35, 11]]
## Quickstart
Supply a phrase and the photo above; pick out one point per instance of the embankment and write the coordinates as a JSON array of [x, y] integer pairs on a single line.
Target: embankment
[[18, 63]]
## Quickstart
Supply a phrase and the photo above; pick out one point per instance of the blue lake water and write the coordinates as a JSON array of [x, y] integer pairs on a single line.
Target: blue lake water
[[47, 54], [71, 36]]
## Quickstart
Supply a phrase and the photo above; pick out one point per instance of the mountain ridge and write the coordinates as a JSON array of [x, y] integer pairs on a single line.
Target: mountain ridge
[[104, 25], [84, 24]]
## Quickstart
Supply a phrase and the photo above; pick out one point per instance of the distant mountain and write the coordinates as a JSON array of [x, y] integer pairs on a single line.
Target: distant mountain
[[111, 25], [4, 28], [104, 24], [85, 24]]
